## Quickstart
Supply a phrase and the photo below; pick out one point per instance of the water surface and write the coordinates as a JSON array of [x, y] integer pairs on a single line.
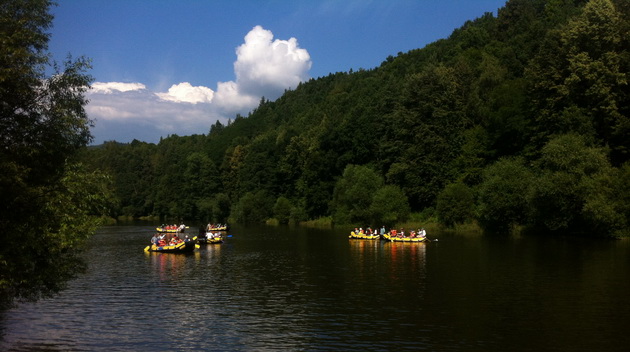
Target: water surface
[[281, 288]]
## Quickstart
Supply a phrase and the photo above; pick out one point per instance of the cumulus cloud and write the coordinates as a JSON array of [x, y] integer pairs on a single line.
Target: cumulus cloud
[[263, 67], [267, 66], [186, 93], [231, 101]]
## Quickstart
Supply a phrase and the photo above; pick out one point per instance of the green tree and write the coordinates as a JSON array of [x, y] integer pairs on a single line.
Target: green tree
[[217, 209], [580, 79], [427, 131], [559, 193], [455, 204], [389, 206], [253, 208], [353, 194], [503, 195], [230, 170], [607, 207], [201, 180], [282, 210], [46, 198]]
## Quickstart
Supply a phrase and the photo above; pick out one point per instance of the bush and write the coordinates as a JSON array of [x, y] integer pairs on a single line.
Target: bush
[[353, 194], [503, 195], [389, 206], [455, 204], [253, 208], [282, 210]]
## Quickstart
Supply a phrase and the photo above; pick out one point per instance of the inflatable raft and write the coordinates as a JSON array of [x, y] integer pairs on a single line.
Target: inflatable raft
[[362, 236], [212, 240], [389, 237], [183, 247]]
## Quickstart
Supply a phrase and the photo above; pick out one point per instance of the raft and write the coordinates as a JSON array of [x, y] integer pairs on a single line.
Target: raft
[[212, 240], [362, 236], [163, 230], [388, 237], [183, 247], [220, 228]]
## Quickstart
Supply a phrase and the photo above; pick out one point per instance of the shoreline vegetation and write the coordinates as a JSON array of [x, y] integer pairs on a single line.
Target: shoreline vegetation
[[431, 225]]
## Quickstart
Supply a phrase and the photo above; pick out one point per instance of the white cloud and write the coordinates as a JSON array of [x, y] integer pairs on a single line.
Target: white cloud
[[186, 93], [267, 67], [263, 67], [231, 101], [110, 87], [149, 107]]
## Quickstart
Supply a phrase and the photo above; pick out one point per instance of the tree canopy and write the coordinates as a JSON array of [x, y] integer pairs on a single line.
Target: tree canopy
[[48, 198]]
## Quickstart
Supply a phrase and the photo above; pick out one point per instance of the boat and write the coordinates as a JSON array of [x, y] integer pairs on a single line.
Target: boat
[[218, 228], [362, 236], [171, 229], [183, 247], [389, 237], [212, 240]]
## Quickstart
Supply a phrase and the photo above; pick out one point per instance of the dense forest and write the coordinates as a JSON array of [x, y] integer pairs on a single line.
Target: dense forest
[[519, 120]]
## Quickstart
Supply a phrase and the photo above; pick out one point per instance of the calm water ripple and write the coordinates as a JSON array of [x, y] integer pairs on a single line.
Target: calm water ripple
[[277, 288]]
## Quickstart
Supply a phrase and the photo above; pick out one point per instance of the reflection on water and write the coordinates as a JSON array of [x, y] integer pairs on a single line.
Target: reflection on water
[[298, 289]]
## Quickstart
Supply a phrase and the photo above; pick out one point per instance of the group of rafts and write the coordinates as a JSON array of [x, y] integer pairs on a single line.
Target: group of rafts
[[392, 235], [168, 240]]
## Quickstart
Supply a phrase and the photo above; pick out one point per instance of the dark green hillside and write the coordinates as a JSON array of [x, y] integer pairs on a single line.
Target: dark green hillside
[[518, 119]]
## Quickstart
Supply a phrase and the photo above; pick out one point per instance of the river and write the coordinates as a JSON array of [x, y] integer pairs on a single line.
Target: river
[[299, 289]]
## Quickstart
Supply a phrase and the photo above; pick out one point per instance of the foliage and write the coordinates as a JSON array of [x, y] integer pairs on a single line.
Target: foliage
[[389, 206], [566, 182], [49, 202], [253, 208], [354, 194], [216, 209], [282, 210], [503, 195], [455, 204], [581, 69], [607, 209]]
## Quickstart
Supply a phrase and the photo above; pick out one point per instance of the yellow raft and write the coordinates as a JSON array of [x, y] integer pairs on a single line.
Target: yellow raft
[[362, 236], [211, 240], [388, 237], [219, 228], [182, 247]]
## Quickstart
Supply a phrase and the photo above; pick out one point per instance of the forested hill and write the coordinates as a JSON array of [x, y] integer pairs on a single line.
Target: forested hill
[[518, 119]]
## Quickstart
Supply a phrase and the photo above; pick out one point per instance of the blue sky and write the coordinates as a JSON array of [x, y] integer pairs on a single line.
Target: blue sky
[[176, 67]]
